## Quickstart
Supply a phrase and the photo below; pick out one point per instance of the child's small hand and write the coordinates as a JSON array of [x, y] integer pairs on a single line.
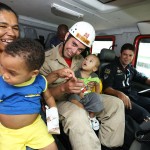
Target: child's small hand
[[91, 84]]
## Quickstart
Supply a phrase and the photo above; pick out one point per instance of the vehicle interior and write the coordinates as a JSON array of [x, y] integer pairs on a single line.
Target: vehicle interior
[[109, 17], [116, 22]]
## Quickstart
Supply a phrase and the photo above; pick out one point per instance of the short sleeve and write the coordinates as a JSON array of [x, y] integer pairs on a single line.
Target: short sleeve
[[42, 82], [108, 77]]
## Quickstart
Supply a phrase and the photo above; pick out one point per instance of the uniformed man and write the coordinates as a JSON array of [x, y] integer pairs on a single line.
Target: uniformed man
[[74, 119], [117, 80]]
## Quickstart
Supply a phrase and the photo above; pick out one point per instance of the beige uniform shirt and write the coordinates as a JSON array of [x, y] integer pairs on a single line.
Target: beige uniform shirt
[[54, 61]]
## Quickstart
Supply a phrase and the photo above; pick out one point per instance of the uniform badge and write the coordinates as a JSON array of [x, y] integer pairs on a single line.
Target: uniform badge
[[107, 71], [119, 71]]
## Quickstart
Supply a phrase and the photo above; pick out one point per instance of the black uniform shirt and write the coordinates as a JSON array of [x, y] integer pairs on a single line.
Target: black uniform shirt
[[118, 78]]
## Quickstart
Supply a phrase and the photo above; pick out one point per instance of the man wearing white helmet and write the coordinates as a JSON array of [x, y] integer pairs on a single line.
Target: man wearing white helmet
[[74, 119]]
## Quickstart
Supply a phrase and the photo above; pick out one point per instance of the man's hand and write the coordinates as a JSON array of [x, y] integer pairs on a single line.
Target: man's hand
[[60, 73], [121, 95], [66, 73], [125, 99], [73, 86]]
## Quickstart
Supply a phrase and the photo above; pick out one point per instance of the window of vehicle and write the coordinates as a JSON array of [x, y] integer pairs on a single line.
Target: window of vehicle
[[142, 55], [103, 42]]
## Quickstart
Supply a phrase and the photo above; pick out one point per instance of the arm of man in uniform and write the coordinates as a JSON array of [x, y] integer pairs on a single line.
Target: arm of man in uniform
[[108, 80], [71, 86], [60, 73], [119, 94]]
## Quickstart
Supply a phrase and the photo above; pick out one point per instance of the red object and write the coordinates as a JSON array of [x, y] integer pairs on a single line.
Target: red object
[[68, 61]]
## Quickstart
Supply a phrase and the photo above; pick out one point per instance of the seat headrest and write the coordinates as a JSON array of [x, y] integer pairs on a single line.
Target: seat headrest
[[30, 33], [107, 55]]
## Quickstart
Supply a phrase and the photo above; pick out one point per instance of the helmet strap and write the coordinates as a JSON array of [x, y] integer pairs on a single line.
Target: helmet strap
[[69, 36]]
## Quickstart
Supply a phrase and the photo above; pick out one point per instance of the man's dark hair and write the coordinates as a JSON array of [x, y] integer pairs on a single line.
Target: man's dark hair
[[62, 27], [127, 46], [7, 8], [29, 50], [61, 31]]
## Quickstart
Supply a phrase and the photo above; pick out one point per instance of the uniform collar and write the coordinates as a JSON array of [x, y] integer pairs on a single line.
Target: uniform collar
[[120, 65], [54, 54]]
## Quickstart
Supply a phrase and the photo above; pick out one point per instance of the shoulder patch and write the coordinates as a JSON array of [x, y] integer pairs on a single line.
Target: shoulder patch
[[107, 71]]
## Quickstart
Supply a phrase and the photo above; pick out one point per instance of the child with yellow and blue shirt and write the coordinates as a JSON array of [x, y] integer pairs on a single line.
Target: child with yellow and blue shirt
[[21, 87]]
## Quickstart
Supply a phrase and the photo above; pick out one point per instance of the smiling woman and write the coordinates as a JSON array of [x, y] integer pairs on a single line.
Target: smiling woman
[[9, 29]]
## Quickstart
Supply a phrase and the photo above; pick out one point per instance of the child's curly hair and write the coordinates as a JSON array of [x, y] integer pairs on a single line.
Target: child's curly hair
[[29, 50]]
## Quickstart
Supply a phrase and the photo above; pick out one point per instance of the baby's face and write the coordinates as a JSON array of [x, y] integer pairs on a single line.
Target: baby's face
[[89, 63], [14, 69]]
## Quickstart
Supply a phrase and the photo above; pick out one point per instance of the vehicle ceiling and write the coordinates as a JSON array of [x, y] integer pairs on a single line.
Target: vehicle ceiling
[[117, 13]]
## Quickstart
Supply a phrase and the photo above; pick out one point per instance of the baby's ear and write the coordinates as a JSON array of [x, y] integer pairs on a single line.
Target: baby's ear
[[35, 73], [95, 69]]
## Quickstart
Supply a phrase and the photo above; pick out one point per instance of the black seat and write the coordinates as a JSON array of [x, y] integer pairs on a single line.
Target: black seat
[[30, 32], [106, 56], [48, 39]]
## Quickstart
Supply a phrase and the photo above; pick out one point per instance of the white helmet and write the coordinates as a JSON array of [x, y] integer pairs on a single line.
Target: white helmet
[[84, 32]]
